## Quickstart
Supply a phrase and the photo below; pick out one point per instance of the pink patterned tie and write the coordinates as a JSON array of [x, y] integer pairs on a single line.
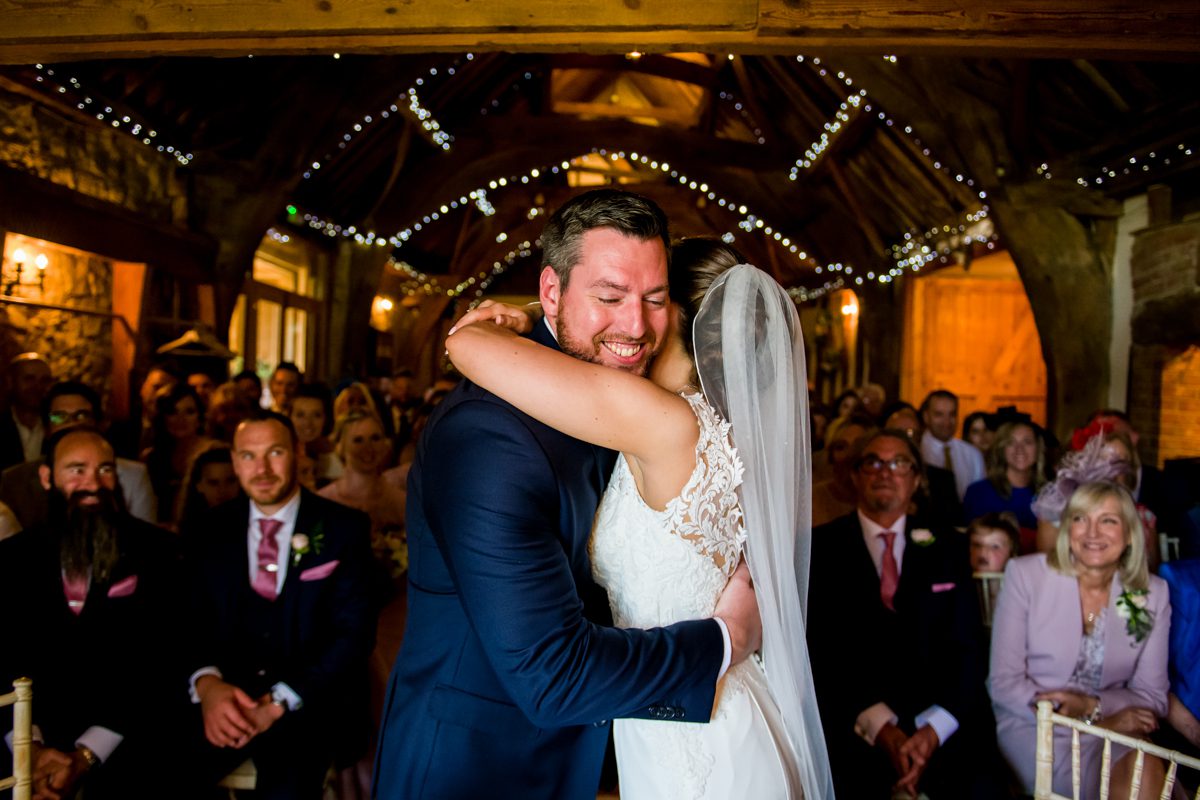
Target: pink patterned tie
[[889, 577], [268, 559], [75, 588]]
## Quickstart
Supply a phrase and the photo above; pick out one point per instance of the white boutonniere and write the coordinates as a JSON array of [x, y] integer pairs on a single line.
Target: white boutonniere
[[923, 537], [302, 544], [1131, 607]]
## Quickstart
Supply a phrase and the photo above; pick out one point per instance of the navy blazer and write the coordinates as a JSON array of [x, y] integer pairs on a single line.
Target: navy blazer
[[329, 625], [508, 674], [117, 663], [928, 651]]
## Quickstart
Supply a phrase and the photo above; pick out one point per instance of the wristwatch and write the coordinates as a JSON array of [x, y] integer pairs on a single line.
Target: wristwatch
[[278, 698], [1094, 716], [88, 756]]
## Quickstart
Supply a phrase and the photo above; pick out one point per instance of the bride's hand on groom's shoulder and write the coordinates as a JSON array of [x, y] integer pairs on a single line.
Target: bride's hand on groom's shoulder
[[738, 609], [516, 318]]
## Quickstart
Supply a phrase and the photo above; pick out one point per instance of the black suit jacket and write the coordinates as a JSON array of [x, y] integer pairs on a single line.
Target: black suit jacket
[[928, 651], [117, 663], [11, 449], [329, 626]]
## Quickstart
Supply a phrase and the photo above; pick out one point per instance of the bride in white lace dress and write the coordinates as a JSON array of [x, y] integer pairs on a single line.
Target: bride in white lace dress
[[704, 478]]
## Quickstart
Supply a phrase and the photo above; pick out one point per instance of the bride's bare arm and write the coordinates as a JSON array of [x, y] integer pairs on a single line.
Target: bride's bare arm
[[598, 404]]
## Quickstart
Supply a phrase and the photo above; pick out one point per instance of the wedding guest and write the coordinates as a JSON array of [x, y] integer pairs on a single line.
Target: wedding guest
[[936, 501], [27, 380], [311, 414], [977, 429], [1183, 581], [1086, 627], [873, 398], [1101, 453], [279, 653], [204, 385], [285, 382], [250, 386], [209, 482], [939, 446], [901, 698], [227, 408], [834, 496], [133, 435], [92, 594], [364, 450], [354, 398], [1016, 471], [819, 416], [71, 404], [993, 539], [178, 436]]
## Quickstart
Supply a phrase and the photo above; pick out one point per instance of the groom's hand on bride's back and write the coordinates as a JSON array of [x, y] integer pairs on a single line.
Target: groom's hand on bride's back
[[738, 609]]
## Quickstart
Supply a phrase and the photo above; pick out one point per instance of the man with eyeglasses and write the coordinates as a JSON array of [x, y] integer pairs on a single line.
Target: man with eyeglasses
[[70, 404], [896, 641]]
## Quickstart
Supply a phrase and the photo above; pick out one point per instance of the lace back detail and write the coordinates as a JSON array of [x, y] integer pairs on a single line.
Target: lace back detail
[[707, 512]]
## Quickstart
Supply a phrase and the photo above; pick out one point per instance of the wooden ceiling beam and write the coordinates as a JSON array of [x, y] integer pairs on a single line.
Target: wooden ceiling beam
[[60, 30]]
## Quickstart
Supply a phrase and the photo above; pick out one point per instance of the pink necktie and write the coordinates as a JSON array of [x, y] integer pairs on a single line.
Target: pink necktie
[[75, 588], [268, 559], [889, 577]]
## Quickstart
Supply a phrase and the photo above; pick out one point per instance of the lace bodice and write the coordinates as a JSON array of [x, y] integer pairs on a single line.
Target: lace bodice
[[661, 567]]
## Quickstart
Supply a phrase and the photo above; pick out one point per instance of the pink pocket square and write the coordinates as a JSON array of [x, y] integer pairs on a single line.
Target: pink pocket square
[[320, 571], [942, 587], [123, 588]]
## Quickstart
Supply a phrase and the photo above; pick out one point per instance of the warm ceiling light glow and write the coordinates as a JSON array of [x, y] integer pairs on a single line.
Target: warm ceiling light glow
[[633, 55], [385, 304], [850, 308]]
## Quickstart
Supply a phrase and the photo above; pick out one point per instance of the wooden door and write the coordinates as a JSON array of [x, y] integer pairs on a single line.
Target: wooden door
[[972, 332]]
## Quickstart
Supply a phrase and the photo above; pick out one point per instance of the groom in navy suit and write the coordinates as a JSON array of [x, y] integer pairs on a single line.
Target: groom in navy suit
[[509, 673], [896, 639], [282, 624]]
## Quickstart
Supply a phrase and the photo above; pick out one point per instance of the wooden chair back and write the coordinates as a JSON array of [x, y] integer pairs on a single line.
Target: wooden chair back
[[21, 699], [1044, 774], [988, 584]]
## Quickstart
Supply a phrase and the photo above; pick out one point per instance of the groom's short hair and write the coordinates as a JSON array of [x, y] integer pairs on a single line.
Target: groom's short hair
[[628, 213]]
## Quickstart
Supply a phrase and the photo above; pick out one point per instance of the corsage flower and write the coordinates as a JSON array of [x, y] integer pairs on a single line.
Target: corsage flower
[[1131, 606]]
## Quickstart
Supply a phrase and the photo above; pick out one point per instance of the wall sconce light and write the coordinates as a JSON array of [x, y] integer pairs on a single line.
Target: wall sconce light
[[16, 272], [850, 307]]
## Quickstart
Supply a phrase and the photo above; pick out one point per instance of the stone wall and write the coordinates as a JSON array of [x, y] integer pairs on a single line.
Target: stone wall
[[1164, 391], [77, 346], [73, 151]]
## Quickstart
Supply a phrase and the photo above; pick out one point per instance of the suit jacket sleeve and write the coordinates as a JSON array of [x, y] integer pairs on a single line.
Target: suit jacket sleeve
[[495, 518], [341, 641], [1009, 683]]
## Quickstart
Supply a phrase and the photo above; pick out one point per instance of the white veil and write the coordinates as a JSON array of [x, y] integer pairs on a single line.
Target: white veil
[[750, 360]]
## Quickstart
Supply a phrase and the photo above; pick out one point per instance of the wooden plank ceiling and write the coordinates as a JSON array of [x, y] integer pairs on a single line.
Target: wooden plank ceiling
[[746, 134]]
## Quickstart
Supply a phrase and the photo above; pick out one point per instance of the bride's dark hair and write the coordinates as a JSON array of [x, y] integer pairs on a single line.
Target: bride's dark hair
[[695, 264]]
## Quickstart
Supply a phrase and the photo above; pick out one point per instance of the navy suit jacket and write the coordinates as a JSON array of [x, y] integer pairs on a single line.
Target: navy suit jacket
[[508, 674], [116, 664], [329, 626], [928, 651]]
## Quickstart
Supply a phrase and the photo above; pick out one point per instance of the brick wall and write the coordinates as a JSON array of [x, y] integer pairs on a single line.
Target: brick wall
[[1179, 419], [1166, 261]]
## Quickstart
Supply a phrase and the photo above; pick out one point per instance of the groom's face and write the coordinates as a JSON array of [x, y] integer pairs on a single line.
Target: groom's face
[[614, 310]]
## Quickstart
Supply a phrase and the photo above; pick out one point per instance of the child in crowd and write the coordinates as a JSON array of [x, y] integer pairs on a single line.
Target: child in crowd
[[993, 539]]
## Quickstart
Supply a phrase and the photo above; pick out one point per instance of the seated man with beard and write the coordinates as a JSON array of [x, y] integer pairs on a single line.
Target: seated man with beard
[[88, 600]]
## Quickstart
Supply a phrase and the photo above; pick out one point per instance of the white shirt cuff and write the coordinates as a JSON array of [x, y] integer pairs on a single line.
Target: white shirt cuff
[[100, 741], [872, 720], [197, 675], [725, 659], [942, 721], [36, 737], [281, 691]]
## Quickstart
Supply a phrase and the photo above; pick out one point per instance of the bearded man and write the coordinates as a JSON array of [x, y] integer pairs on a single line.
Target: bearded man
[[508, 676], [90, 597]]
